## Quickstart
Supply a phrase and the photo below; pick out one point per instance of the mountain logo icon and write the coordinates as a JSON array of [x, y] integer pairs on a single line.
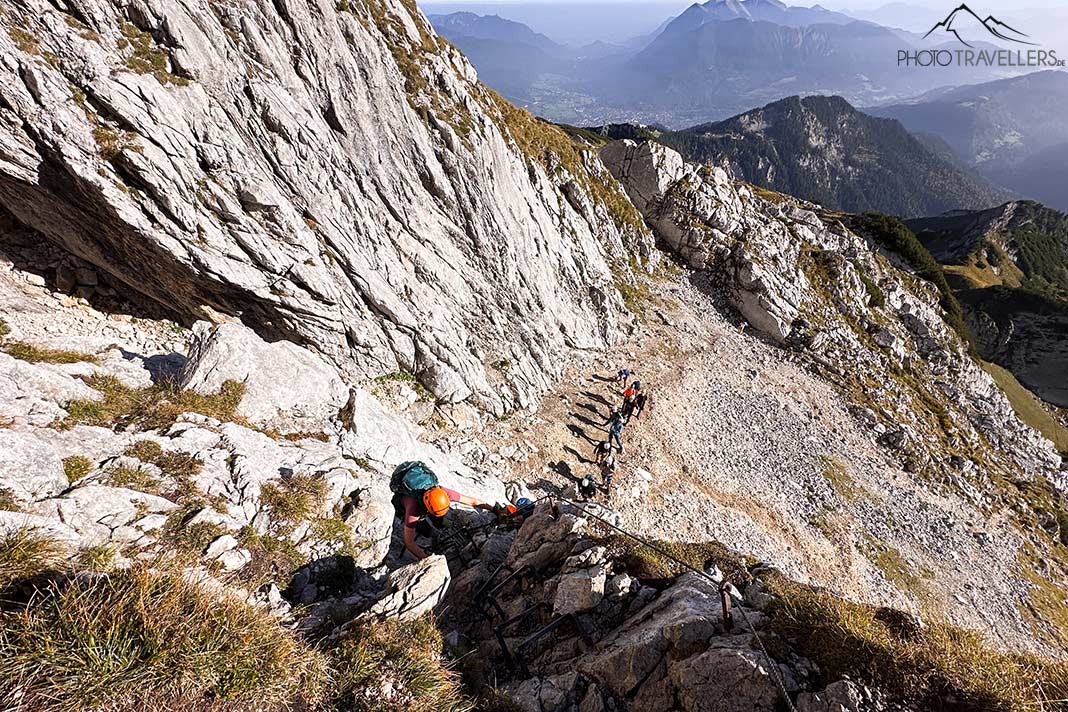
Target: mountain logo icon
[[963, 19]]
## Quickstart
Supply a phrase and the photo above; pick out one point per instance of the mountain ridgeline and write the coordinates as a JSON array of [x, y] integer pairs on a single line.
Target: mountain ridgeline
[[823, 150], [715, 59]]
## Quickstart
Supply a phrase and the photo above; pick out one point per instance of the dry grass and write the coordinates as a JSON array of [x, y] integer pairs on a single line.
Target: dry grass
[[924, 665], [837, 474], [135, 478], [400, 665], [7, 501], [293, 499], [37, 354], [76, 467], [141, 639], [156, 407], [646, 563], [1028, 407], [149, 638], [24, 556]]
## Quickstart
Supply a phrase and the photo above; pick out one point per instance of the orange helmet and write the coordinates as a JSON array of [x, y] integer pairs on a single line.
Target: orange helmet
[[436, 501]]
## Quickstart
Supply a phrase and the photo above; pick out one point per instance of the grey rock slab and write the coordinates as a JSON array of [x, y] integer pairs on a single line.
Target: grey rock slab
[[29, 467], [287, 388], [413, 590]]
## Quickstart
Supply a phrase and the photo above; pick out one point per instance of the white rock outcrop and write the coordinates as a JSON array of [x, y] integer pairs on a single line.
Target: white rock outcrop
[[287, 388]]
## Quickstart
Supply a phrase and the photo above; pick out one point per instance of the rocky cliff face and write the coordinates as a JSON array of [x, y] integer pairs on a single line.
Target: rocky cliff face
[[332, 175]]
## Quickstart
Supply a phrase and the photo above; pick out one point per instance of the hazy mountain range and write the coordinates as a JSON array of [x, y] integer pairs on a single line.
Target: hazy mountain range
[[711, 61], [1012, 131]]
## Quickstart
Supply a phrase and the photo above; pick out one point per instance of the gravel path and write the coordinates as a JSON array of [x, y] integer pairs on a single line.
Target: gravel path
[[747, 447]]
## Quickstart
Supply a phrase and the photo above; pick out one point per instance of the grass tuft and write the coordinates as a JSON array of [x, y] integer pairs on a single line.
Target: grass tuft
[[142, 638], [37, 354], [76, 467], [156, 407], [386, 666], [8, 503], [645, 563], [25, 555], [135, 478]]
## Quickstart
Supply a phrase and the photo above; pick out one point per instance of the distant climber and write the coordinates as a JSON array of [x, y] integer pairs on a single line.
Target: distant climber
[[587, 487], [641, 402], [615, 425], [623, 375], [607, 460], [417, 496], [629, 397]]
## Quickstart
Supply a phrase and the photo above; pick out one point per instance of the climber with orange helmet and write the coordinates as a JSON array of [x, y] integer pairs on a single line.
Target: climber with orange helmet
[[417, 496]]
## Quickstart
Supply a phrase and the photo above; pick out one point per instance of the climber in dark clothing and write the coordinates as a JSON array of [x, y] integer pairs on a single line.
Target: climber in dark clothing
[[623, 375], [640, 403], [418, 496], [586, 487], [615, 425]]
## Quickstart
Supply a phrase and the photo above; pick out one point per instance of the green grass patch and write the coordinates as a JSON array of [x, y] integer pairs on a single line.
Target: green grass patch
[[1028, 407], [37, 354], [155, 407], [76, 467], [135, 478], [146, 58]]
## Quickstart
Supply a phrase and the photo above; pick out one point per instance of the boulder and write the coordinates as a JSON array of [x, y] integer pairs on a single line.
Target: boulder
[[30, 468], [287, 388], [580, 590], [725, 680], [841, 696], [413, 590]]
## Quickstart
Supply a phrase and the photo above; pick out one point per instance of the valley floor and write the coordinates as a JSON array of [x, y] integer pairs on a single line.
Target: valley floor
[[747, 447]]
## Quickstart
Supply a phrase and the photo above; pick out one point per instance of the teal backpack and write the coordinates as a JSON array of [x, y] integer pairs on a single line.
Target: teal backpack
[[412, 479]]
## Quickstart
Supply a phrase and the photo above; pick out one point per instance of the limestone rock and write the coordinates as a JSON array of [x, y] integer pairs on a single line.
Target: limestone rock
[[287, 388], [580, 590], [725, 680], [413, 590], [245, 178], [102, 514], [29, 467]]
